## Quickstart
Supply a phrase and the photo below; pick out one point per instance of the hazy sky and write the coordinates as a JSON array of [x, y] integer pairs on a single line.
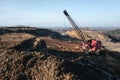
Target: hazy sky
[[96, 13]]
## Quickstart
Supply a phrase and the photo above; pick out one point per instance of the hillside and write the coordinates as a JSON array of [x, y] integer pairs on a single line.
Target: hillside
[[42, 54], [114, 35], [109, 39]]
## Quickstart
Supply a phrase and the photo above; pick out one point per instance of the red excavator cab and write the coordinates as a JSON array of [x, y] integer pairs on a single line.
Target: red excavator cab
[[93, 45]]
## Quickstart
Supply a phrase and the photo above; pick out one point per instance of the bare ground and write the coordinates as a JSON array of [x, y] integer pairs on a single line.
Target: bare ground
[[24, 56]]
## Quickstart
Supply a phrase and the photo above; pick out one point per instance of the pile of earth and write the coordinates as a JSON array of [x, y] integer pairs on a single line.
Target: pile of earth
[[22, 65], [35, 31], [104, 36], [24, 56], [89, 34]]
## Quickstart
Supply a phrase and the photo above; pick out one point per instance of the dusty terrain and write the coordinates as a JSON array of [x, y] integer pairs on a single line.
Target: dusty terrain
[[41, 54], [92, 34]]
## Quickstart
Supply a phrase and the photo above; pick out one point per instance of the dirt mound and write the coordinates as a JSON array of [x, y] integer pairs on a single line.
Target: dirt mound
[[32, 43], [94, 34], [28, 66], [90, 34], [28, 57], [20, 65], [11, 39], [35, 31]]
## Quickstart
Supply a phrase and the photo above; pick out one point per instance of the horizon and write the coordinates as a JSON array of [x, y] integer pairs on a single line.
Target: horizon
[[47, 13], [68, 27]]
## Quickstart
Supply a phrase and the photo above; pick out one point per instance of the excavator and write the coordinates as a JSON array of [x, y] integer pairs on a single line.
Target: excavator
[[91, 45]]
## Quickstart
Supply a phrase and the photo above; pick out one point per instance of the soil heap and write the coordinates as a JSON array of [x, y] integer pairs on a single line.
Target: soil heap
[[27, 55]]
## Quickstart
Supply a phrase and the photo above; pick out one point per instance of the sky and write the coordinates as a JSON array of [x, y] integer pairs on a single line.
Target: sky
[[49, 13]]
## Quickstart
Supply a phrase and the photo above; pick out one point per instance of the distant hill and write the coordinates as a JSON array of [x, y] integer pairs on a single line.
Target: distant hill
[[114, 35]]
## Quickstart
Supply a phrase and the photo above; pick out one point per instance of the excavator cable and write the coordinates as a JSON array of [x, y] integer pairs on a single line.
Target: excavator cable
[[87, 45], [76, 28]]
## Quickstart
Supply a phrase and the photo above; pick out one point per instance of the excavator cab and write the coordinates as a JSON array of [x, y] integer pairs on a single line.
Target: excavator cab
[[93, 45]]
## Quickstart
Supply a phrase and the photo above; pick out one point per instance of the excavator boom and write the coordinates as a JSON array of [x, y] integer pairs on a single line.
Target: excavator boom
[[76, 28], [92, 44]]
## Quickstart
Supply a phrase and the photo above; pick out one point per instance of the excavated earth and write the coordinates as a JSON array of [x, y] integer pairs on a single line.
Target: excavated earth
[[98, 35], [41, 54]]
